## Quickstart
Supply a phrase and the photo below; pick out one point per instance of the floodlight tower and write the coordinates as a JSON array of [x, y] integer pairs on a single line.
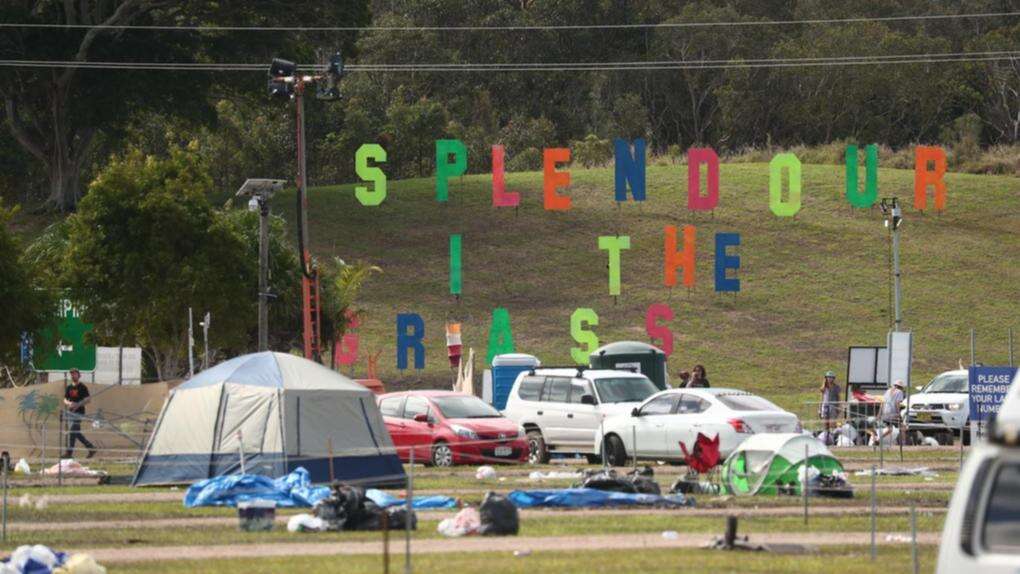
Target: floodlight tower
[[285, 82], [259, 191]]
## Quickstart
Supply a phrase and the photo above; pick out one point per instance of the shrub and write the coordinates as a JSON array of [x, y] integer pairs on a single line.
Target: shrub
[[528, 160], [591, 151]]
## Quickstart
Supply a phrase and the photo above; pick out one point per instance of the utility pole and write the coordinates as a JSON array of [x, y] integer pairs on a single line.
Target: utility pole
[[191, 346], [205, 335], [259, 191], [893, 219]]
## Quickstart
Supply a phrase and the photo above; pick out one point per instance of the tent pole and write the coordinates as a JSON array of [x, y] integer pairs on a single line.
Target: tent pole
[[240, 449], [804, 483], [329, 445]]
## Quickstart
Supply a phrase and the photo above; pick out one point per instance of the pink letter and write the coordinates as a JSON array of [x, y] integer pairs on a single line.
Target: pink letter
[[695, 157], [500, 196]]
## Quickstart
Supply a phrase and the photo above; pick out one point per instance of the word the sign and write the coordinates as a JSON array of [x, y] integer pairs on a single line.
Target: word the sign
[[988, 388]]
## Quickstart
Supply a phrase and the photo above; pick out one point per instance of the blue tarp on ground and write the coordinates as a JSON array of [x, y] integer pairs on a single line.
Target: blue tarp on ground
[[293, 490], [590, 498]]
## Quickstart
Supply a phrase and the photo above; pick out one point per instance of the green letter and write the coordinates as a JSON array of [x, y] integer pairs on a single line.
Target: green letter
[[870, 195], [614, 244], [776, 203], [587, 338], [373, 174], [455, 264], [501, 340], [446, 170]]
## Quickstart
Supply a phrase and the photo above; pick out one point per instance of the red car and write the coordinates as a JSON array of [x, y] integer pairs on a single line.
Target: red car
[[445, 428]]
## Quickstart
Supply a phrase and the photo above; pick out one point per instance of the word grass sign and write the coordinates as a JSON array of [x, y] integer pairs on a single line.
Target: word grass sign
[[988, 388], [679, 254]]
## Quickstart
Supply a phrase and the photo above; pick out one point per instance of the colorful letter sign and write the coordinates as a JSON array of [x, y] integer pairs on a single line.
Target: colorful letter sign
[[630, 168], [672, 259], [588, 339], [659, 332], [410, 340], [374, 152], [445, 169], [552, 179], [455, 266], [614, 244], [789, 162], [870, 195], [501, 339], [500, 196], [724, 262], [924, 178], [696, 156]]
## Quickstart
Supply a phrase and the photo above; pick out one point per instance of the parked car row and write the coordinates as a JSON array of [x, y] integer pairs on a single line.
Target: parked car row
[[569, 411]]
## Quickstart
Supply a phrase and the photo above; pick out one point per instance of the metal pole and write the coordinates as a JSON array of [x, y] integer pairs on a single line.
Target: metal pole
[[240, 450], [329, 444], [874, 513], [881, 433], [804, 482], [44, 445], [973, 347], [386, 542], [263, 272], [913, 539], [191, 346], [602, 431], [4, 537], [896, 272], [60, 455], [120, 366], [407, 519], [1010, 336], [633, 438], [205, 337]]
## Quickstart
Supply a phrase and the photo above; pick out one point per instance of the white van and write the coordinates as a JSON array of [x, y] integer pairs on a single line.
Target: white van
[[982, 529], [561, 409], [942, 408]]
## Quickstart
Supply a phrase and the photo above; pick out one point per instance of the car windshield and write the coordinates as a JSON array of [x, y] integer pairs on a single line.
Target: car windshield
[[624, 389], [465, 408], [742, 402], [947, 383]]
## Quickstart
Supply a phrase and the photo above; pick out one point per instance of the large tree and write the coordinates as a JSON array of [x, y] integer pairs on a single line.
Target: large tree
[[57, 113], [26, 305]]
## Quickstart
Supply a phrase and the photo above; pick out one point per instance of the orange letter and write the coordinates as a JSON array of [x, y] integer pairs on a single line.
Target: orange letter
[[923, 178], [674, 258], [551, 179]]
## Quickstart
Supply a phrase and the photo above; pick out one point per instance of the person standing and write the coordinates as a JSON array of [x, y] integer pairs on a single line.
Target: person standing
[[828, 409], [891, 402], [685, 379], [75, 396], [698, 378]]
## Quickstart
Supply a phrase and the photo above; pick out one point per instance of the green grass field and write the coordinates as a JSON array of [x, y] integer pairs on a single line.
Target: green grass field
[[811, 285]]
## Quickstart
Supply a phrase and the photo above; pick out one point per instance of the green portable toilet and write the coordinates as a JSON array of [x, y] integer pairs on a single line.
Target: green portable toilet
[[649, 360]]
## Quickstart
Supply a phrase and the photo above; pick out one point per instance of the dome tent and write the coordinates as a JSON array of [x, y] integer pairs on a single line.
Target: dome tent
[[282, 412], [767, 463]]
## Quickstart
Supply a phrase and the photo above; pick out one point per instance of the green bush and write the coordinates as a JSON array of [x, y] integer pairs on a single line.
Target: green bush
[[591, 151], [528, 160]]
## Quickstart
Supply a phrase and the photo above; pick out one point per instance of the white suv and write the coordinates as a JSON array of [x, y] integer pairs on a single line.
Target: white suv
[[562, 409]]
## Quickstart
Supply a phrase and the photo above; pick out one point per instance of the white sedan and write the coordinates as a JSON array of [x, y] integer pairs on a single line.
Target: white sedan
[[673, 416]]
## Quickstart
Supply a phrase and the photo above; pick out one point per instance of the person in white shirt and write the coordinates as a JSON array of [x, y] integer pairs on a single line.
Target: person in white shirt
[[891, 401]]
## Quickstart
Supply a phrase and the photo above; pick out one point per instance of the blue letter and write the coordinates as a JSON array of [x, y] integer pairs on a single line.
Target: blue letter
[[411, 340], [630, 169], [724, 262]]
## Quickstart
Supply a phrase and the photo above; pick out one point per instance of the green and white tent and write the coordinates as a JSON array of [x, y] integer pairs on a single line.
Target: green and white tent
[[771, 464]]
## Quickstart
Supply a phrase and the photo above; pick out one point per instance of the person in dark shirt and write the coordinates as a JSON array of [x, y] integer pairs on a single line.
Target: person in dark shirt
[[75, 396], [698, 378]]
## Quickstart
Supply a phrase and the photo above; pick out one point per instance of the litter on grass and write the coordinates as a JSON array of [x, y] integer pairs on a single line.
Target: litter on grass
[[592, 498], [893, 471], [70, 468], [305, 523], [465, 523], [485, 473], [22, 467], [290, 491], [553, 475], [40, 559]]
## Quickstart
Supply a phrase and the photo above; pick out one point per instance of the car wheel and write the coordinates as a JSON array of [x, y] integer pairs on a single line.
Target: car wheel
[[442, 454], [616, 454], [593, 458], [537, 453]]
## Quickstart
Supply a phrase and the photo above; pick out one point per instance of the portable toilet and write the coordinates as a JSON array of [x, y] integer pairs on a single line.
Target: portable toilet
[[505, 369], [633, 355]]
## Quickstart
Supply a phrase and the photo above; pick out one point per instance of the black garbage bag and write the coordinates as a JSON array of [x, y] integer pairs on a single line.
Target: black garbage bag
[[644, 485], [645, 471], [372, 518], [499, 516], [342, 508], [639, 482]]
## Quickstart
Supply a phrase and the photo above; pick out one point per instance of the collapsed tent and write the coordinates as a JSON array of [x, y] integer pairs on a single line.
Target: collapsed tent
[[772, 464], [291, 491], [592, 498], [277, 411]]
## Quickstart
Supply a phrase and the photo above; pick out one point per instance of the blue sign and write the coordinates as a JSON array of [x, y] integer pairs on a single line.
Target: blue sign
[[988, 387]]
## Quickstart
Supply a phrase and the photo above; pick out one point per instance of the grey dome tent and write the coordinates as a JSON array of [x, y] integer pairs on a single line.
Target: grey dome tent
[[281, 412]]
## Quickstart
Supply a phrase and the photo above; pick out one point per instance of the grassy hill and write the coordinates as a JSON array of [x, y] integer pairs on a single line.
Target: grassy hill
[[811, 285]]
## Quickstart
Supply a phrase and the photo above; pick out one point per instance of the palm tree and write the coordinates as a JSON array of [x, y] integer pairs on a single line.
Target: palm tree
[[341, 284]]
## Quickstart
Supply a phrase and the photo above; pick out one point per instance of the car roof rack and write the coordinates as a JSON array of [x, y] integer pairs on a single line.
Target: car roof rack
[[579, 368]]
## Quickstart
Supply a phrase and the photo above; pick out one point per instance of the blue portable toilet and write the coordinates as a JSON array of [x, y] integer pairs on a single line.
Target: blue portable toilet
[[505, 369]]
